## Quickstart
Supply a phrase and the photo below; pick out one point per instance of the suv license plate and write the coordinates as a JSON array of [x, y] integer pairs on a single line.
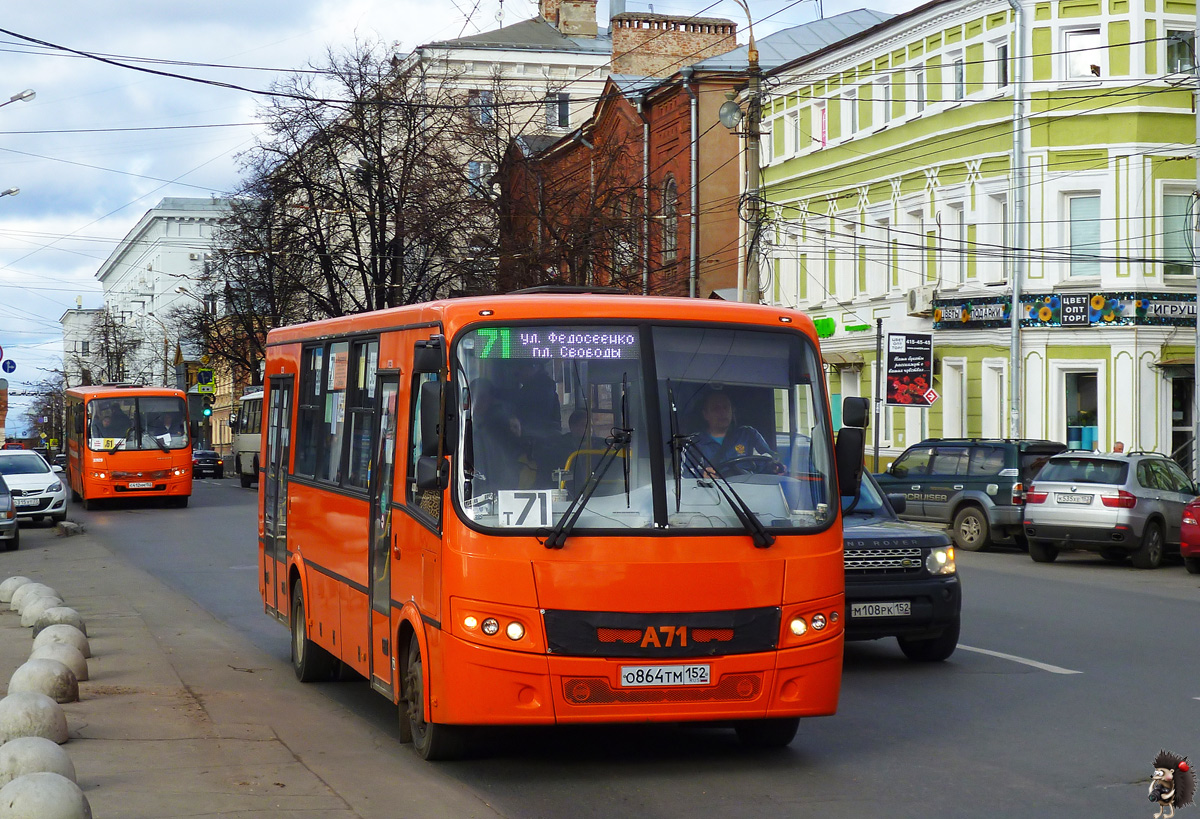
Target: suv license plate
[[1064, 497], [635, 676], [141, 484], [900, 608]]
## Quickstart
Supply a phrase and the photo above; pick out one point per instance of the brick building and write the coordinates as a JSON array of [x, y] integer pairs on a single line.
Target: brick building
[[644, 195]]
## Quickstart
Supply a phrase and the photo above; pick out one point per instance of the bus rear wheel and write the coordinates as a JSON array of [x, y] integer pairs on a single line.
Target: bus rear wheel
[[430, 739], [310, 662], [777, 732]]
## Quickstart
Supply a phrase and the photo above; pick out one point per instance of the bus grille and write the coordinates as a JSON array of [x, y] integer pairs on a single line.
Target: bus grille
[[598, 691], [665, 634], [890, 561], [158, 473]]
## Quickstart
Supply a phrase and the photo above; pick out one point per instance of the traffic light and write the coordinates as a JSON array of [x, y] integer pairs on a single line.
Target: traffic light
[[207, 409]]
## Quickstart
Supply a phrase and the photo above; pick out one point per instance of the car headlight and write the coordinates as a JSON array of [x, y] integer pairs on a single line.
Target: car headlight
[[941, 561], [54, 487]]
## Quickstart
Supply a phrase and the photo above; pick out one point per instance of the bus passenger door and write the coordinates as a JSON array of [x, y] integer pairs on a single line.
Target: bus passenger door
[[274, 495], [382, 480]]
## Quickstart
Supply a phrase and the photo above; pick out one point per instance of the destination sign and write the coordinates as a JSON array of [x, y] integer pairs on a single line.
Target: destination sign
[[556, 343]]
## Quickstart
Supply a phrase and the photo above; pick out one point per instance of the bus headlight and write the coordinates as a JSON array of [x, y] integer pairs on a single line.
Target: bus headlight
[[941, 561], [798, 626], [470, 622], [515, 631], [491, 626]]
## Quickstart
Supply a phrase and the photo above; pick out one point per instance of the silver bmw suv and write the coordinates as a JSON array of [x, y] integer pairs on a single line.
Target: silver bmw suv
[[1126, 505]]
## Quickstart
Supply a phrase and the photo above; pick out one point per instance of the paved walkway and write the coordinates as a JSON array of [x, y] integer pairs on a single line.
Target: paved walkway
[[182, 717]]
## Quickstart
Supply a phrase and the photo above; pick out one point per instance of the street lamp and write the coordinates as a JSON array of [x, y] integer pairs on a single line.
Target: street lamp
[[10, 192], [23, 96]]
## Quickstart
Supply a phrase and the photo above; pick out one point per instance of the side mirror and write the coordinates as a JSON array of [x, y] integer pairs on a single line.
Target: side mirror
[[848, 453], [56, 468], [899, 503], [429, 401], [433, 473], [429, 355], [855, 412]]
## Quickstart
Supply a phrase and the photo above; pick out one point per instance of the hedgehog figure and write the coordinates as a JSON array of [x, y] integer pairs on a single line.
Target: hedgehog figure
[[1173, 784]]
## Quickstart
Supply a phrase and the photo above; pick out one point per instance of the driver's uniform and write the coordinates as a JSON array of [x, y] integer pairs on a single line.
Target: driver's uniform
[[737, 443]]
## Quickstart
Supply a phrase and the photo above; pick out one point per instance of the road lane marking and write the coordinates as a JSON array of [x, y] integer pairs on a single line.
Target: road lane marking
[[1053, 669]]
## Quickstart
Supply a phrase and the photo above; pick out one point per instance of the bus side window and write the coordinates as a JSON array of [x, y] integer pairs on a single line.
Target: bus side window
[[428, 501]]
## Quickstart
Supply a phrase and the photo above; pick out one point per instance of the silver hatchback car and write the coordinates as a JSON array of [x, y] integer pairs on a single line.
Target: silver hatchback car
[[1126, 505]]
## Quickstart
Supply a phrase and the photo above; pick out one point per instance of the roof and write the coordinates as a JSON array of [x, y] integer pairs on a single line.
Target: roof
[[534, 144], [532, 35], [789, 44], [634, 85]]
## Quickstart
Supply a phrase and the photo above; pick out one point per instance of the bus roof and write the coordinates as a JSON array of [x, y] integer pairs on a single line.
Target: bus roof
[[452, 314], [113, 390]]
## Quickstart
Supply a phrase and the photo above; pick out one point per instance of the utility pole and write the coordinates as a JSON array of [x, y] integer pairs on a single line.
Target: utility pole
[[1195, 211], [1020, 220], [753, 291]]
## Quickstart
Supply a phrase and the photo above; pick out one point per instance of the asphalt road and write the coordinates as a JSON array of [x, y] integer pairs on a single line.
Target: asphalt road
[[1068, 679]]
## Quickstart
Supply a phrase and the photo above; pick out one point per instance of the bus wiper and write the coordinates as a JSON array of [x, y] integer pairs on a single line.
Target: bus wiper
[[159, 443], [120, 444], [762, 538], [678, 443], [617, 441]]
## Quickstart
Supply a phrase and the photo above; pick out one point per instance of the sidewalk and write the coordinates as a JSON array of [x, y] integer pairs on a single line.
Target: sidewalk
[[182, 717]]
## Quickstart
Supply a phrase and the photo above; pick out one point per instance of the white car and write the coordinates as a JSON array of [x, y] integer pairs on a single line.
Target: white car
[[38, 489]]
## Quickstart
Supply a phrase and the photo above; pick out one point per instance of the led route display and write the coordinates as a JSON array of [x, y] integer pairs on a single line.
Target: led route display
[[557, 342]]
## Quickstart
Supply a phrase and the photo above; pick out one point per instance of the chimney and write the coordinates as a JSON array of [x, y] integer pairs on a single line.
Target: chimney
[[576, 18], [658, 45], [549, 11]]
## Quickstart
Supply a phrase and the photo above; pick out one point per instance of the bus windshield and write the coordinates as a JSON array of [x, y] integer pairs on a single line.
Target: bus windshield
[[682, 427], [137, 423]]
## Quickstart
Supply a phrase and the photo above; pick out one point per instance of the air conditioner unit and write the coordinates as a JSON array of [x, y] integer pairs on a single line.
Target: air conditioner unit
[[195, 257], [920, 300]]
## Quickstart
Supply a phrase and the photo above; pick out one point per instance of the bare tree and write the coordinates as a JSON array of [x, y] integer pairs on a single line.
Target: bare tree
[[44, 415], [113, 352]]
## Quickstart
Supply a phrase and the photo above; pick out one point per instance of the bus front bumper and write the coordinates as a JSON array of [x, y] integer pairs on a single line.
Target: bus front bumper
[[485, 686]]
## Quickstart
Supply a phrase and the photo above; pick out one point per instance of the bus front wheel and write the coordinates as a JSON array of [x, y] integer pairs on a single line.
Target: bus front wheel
[[310, 662], [431, 740], [777, 732]]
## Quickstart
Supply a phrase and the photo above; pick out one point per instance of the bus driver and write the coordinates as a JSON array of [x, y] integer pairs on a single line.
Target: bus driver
[[723, 440]]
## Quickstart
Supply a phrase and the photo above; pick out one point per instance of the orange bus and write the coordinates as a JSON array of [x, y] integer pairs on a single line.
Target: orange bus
[[128, 441], [509, 511]]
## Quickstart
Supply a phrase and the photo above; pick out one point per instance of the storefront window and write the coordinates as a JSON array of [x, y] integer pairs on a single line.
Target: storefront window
[[1081, 405]]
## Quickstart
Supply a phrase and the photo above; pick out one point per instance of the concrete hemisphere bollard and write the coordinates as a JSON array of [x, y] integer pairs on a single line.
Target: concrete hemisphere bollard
[[26, 755], [59, 615], [49, 677], [43, 795], [34, 607], [28, 590], [68, 655], [10, 585], [29, 714], [62, 633]]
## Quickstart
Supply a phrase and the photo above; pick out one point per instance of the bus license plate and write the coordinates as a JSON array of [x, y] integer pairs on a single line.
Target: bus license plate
[[901, 608], [634, 676], [141, 484], [1063, 497]]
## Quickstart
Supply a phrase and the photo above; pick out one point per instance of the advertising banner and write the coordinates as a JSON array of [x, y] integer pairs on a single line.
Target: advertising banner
[[910, 370]]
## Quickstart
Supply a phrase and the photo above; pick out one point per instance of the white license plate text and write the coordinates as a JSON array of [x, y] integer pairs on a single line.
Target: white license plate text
[[633, 676]]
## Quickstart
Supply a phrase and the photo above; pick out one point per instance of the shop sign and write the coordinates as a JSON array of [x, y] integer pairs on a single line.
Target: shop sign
[[1069, 310], [910, 370]]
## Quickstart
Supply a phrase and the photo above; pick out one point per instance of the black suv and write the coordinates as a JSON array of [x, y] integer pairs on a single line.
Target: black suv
[[976, 486], [901, 580]]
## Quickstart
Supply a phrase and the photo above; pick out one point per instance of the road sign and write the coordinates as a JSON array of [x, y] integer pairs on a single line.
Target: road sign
[[931, 396], [8, 366], [204, 380], [44, 436]]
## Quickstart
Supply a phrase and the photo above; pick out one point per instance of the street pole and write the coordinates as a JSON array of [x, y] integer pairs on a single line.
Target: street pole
[[753, 290], [1019, 219], [1195, 259], [878, 380]]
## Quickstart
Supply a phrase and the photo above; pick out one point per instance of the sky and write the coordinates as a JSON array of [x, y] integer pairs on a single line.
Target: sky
[[101, 144]]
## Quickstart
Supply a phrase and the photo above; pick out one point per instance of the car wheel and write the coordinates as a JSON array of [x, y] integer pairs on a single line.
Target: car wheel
[[1115, 555], [430, 739], [777, 732], [246, 481], [220, 473], [971, 530], [310, 662], [1192, 564], [932, 649], [15, 543], [1042, 552], [1149, 555]]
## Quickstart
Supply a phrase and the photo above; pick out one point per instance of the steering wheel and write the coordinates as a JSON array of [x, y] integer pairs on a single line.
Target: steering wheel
[[751, 465]]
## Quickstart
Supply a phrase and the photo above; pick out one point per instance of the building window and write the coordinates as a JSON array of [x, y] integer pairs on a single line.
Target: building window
[[670, 222], [821, 123], [1085, 54], [960, 77], [884, 95], [479, 177], [1002, 65], [767, 149], [85, 348], [558, 110], [1177, 255], [1085, 235], [481, 103], [850, 113], [791, 133], [957, 248], [1180, 51], [919, 90]]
